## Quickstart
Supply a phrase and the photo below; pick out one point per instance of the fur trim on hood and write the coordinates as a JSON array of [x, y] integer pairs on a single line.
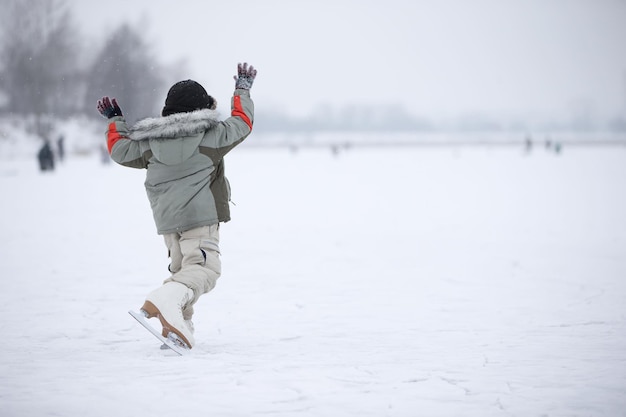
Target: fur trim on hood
[[175, 125]]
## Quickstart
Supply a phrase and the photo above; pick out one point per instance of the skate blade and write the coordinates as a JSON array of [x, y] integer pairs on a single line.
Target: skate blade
[[150, 310], [174, 338]]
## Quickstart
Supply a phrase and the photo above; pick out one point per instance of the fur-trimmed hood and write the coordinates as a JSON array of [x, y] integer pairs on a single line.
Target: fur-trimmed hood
[[174, 138], [174, 126]]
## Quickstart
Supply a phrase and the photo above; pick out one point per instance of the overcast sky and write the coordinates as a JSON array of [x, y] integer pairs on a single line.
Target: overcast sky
[[439, 59]]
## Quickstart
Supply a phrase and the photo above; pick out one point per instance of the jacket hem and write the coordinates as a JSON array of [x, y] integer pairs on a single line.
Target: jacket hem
[[188, 227]]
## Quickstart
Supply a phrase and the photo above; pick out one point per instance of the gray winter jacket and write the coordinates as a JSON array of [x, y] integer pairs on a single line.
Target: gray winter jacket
[[184, 157]]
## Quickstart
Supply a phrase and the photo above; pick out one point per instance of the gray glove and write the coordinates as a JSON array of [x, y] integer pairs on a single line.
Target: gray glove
[[245, 76]]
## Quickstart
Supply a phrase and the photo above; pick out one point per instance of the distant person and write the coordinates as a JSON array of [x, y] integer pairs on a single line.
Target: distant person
[[183, 152], [548, 143], [528, 144], [45, 156], [61, 148]]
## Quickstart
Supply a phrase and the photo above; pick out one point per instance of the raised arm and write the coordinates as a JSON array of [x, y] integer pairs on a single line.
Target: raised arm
[[122, 150], [238, 126]]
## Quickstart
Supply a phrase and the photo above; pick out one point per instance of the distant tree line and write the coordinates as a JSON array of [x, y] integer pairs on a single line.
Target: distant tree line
[[394, 118], [45, 72]]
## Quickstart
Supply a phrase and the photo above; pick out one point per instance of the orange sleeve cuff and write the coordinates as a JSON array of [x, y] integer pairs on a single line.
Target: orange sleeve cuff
[[238, 111], [112, 136]]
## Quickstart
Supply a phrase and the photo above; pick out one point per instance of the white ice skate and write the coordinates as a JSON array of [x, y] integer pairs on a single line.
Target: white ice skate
[[167, 303]]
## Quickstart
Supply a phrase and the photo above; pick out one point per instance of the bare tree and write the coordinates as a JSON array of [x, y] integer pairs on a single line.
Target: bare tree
[[37, 58], [40, 72], [125, 69]]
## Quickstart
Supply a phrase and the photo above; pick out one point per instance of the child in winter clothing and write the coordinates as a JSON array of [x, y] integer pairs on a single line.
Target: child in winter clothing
[[183, 154]]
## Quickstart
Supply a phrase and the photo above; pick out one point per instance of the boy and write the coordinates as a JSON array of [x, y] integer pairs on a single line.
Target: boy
[[183, 154]]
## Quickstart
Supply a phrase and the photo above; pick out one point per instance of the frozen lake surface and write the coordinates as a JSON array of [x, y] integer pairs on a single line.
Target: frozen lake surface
[[376, 282]]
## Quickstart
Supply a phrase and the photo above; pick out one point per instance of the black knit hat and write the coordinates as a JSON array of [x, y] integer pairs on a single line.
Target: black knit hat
[[186, 96]]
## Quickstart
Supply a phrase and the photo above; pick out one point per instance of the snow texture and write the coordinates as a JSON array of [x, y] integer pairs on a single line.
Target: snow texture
[[463, 281]]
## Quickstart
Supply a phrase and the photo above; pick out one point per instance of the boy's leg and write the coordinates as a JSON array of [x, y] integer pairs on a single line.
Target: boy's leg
[[172, 241], [195, 260]]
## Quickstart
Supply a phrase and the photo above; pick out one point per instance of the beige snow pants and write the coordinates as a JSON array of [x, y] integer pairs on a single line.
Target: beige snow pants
[[195, 260]]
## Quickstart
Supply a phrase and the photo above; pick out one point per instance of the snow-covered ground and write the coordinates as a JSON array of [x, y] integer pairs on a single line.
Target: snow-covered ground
[[449, 281]]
